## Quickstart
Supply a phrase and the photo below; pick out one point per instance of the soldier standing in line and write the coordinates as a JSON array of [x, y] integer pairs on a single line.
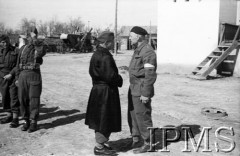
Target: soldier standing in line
[[142, 73], [30, 80], [8, 60]]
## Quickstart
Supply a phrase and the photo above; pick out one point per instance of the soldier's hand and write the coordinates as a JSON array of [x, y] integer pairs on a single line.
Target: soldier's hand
[[8, 77], [16, 83], [32, 34], [144, 99]]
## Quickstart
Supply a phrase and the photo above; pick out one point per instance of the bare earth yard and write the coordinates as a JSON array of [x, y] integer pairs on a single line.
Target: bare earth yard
[[178, 102]]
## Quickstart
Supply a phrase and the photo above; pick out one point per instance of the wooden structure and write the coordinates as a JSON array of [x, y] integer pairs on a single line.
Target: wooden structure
[[221, 58], [83, 41]]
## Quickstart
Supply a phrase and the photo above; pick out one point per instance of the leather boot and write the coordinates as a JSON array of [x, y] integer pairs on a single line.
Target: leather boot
[[25, 125], [14, 123]]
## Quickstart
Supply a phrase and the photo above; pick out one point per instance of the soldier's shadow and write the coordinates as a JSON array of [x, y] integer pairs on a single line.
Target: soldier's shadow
[[124, 145], [61, 117]]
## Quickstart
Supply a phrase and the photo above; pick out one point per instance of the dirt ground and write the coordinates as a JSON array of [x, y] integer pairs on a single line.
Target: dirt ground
[[178, 102]]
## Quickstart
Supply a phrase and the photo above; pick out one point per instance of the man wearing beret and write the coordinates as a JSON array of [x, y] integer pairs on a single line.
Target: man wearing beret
[[103, 110], [8, 60], [30, 80], [142, 73]]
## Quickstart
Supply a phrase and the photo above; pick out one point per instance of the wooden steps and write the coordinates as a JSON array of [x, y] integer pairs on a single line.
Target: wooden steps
[[220, 58]]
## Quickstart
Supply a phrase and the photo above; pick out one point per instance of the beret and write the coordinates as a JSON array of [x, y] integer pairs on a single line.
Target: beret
[[138, 30], [105, 36]]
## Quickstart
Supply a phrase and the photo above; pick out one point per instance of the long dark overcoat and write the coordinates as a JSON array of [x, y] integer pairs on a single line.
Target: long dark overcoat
[[103, 110]]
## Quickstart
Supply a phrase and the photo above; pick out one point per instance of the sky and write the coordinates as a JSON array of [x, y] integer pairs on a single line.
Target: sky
[[95, 13]]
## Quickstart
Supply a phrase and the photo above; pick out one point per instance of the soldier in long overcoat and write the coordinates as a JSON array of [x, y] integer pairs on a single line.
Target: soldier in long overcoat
[[103, 110]]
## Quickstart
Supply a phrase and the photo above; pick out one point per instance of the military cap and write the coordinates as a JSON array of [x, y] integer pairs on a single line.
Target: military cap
[[105, 36], [138, 30]]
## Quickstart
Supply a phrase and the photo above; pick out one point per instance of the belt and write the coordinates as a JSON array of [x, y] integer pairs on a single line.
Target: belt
[[99, 83], [29, 66]]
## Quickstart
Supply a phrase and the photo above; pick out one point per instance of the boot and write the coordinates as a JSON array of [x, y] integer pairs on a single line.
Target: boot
[[25, 125], [142, 149], [103, 151], [33, 126], [14, 123]]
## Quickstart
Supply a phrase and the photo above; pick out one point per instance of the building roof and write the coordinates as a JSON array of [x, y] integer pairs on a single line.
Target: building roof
[[125, 30]]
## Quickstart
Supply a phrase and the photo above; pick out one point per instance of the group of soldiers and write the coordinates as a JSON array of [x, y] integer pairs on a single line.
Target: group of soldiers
[[20, 80], [21, 87]]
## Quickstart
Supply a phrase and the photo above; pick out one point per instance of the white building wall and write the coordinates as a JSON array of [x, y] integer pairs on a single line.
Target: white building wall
[[187, 31]]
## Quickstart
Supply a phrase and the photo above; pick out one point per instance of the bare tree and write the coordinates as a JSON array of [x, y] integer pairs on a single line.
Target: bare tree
[[50, 25], [109, 28], [5, 30], [2, 28], [42, 28], [60, 28], [47, 28], [9, 31], [66, 28], [76, 24], [26, 24], [96, 31], [33, 22]]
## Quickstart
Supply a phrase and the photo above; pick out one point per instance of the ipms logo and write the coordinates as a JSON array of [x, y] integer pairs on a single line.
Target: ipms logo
[[188, 135]]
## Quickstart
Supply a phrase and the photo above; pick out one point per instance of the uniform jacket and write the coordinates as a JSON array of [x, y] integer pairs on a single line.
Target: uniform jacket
[[142, 79], [103, 110], [8, 60], [30, 55]]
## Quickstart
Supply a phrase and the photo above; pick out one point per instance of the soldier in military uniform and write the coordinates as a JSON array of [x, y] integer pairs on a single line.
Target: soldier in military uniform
[[30, 80], [8, 60], [142, 73], [103, 110]]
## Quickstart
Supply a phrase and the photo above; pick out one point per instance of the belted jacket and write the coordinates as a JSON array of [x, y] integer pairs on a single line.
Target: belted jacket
[[32, 54], [142, 71]]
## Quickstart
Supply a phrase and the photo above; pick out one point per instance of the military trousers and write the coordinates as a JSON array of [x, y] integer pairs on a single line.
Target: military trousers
[[9, 93], [101, 137], [139, 117], [29, 92]]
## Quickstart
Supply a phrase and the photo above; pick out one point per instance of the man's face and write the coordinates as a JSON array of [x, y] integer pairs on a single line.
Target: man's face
[[3, 44], [133, 38], [110, 45]]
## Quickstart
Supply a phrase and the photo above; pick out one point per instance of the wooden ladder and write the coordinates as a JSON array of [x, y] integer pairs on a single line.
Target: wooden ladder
[[216, 57]]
